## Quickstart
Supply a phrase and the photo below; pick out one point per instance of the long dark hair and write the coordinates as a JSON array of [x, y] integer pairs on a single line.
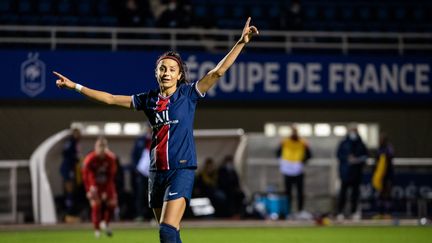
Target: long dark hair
[[183, 68]]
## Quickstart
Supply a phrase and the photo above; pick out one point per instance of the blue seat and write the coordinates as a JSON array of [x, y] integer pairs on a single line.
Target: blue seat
[[273, 11], [311, 13], [84, 8], [5, 6], [45, 7], [238, 11], [24, 7], [418, 14], [400, 13], [200, 11], [382, 14], [364, 13], [347, 13], [219, 12], [103, 8], [64, 7], [257, 12], [330, 13]]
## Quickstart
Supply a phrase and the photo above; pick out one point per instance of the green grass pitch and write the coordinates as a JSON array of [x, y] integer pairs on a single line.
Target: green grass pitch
[[333, 234]]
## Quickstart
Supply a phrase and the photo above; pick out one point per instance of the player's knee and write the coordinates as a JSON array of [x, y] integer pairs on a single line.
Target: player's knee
[[112, 203], [95, 203], [167, 233]]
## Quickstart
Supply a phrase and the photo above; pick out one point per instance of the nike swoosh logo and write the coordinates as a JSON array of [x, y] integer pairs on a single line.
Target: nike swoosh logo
[[172, 193]]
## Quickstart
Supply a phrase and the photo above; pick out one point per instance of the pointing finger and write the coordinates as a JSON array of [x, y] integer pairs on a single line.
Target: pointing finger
[[58, 74], [247, 22]]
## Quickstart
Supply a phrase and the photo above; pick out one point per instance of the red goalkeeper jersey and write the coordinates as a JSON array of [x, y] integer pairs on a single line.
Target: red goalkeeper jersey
[[99, 171]]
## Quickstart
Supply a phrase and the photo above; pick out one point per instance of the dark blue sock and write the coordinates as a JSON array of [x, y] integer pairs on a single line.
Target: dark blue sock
[[178, 237], [168, 233]]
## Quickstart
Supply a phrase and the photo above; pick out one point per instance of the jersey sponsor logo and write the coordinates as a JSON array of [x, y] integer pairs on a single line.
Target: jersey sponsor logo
[[172, 193], [162, 117], [33, 75]]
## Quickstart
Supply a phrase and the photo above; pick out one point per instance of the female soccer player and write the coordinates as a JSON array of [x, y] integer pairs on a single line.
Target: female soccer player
[[170, 110], [99, 179]]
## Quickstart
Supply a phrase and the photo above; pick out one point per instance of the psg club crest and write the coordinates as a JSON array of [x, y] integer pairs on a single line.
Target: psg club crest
[[33, 75]]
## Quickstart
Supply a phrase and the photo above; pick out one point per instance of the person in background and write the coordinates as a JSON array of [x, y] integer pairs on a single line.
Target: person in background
[[382, 178], [293, 153], [69, 171], [99, 173], [229, 184], [135, 13], [294, 16], [170, 109], [176, 15], [352, 155], [141, 164], [207, 186]]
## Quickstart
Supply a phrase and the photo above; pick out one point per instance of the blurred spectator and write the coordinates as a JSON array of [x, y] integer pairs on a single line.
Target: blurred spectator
[[206, 186], [352, 155], [382, 178], [69, 170], [293, 17], [141, 164], [99, 172], [294, 153], [176, 15], [229, 184], [135, 13]]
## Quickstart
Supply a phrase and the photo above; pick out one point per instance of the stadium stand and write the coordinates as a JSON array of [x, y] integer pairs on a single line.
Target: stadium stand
[[333, 15]]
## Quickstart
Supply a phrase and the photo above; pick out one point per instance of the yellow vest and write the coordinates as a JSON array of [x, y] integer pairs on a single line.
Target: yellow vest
[[377, 179], [293, 150]]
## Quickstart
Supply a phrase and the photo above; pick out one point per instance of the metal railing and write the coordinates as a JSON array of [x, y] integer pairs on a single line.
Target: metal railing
[[12, 167], [113, 38]]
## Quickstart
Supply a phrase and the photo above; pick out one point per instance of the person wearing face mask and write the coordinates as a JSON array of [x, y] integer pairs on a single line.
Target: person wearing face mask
[[293, 153], [352, 155]]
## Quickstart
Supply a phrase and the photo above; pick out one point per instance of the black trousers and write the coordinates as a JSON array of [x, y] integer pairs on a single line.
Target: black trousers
[[352, 184], [296, 181]]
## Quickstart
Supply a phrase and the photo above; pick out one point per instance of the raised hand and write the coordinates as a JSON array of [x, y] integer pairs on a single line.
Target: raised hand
[[248, 32], [63, 82]]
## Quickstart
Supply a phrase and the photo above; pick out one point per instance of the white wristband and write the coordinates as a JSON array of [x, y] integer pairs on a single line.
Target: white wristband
[[78, 87]]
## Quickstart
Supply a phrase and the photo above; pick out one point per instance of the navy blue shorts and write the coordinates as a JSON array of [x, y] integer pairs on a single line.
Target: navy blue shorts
[[170, 185]]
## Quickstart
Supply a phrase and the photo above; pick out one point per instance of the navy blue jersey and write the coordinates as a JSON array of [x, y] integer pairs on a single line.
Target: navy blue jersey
[[172, 120]]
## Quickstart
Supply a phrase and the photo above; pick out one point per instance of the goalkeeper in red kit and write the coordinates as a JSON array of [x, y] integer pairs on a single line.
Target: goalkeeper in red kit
[[99, 171]]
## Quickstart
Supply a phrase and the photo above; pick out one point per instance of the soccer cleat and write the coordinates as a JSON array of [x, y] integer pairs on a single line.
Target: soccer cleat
[[356, 217], [340, 217], [97, 234], [105, 228], [102, 225]]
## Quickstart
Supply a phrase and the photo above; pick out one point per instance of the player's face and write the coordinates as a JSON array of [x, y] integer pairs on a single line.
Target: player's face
[[100, 147], [168, 73]]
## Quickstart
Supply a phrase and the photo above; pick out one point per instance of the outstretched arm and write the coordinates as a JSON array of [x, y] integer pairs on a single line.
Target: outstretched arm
[[100, 96], [213, 75]]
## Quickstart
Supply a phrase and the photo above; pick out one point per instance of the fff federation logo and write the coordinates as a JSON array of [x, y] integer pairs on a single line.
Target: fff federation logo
[[33, 75]]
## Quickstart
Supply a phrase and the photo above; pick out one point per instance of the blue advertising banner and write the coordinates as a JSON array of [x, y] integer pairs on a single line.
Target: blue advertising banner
[[258, 77], [408, 189]]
